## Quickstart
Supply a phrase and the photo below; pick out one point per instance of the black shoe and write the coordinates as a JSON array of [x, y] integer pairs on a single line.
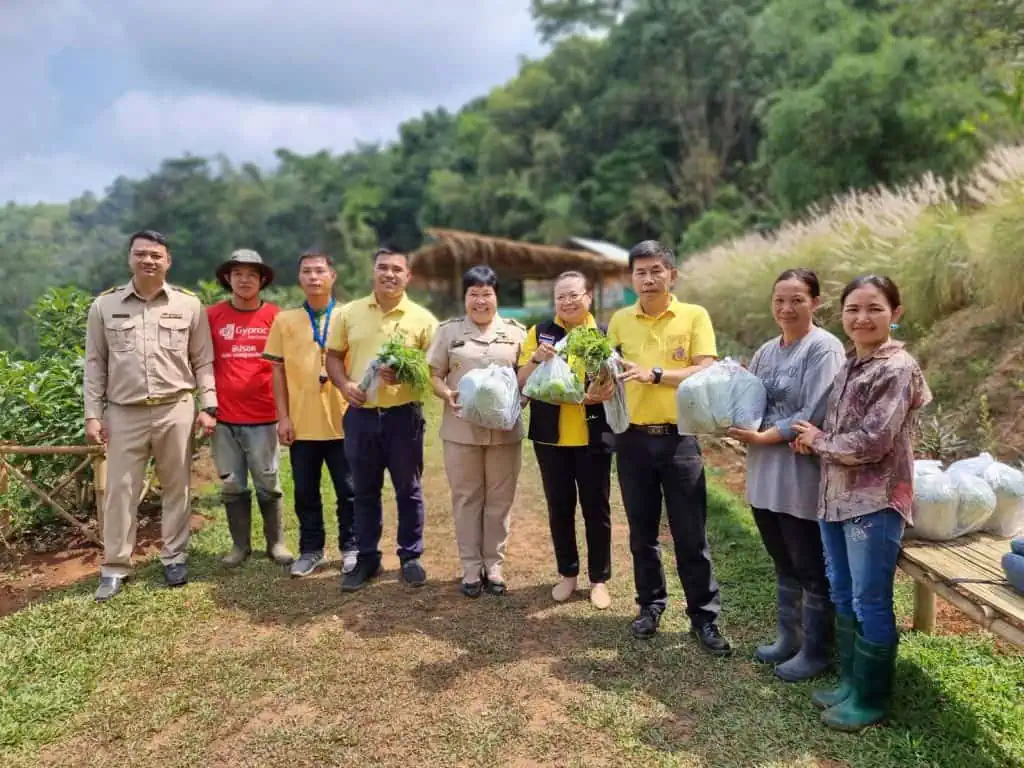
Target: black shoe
[[413, 573], [710, 639], [176, 575], [645, 625], [109, 587], [472, 588], [366, 570]]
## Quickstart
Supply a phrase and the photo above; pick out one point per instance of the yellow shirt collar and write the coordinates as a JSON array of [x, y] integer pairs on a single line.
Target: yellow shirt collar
[[588, 321], [671, 309], [402, 306]]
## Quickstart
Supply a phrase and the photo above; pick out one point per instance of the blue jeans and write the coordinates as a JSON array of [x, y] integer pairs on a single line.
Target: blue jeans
[[860, 557]]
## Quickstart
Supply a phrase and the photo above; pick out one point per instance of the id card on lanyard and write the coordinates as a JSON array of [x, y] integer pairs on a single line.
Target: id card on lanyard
[[320, 334]]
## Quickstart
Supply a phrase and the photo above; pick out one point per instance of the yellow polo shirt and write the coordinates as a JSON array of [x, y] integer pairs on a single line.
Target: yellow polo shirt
[[314, 409], [670, 340], [364, 328], [572, 419]]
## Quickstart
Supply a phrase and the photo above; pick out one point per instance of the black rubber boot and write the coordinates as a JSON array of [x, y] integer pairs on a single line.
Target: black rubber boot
[[815, 654], [239, 513], [788, 598]]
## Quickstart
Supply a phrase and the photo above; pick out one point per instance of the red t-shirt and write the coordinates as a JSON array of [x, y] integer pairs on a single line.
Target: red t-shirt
[[245, 384]]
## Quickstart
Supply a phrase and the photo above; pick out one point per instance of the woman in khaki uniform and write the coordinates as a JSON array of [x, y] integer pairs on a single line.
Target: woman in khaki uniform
[[482, 464]]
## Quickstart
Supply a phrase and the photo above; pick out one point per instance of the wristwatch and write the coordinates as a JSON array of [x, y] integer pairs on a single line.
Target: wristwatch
[[656, 373], [212, 411]]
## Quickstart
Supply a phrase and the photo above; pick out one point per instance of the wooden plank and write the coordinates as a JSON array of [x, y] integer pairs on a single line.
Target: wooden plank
[[50, 450]]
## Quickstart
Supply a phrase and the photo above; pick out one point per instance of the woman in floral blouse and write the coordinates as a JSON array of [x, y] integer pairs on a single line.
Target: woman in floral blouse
[[867, 457]]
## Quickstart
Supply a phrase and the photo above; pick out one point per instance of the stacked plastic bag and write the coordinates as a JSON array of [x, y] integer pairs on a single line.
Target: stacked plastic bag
[[721, 396], [490, 397], [971, 495]]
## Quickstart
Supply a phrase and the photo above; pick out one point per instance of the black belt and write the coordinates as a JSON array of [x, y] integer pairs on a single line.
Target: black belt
[[655, 429], [390, 409]]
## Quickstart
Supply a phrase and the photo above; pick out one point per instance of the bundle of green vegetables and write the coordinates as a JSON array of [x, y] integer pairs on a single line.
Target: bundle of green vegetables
[[408, 363], [588, 346]]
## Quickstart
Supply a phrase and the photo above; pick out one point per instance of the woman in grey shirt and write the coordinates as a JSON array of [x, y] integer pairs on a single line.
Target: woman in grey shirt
[[797, 369]]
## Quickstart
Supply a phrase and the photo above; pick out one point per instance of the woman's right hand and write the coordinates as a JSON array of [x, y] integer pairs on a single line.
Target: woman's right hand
[[452, 398], [544, 353]]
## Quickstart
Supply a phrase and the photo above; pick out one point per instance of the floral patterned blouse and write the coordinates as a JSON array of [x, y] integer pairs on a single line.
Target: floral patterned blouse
[[866, 444]]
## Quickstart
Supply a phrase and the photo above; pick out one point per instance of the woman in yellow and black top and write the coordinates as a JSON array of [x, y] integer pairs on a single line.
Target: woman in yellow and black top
[[573, 445]]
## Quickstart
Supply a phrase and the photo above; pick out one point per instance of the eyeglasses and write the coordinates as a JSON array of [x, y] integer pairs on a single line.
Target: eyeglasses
[[568, 298]]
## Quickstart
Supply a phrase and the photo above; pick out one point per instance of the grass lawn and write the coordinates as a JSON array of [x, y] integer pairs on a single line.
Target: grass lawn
[[251, 668]]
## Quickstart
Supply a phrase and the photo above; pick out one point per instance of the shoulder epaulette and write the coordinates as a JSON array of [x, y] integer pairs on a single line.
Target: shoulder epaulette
[[109, 291], [450, 321], [513, 322], [179, 289]]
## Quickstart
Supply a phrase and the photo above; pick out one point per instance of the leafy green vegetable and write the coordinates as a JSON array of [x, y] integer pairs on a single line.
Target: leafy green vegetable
[[589, 346], [408, 363]]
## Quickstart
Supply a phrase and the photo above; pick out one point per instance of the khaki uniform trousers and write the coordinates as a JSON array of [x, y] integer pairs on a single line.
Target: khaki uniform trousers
[[483, 483], [137, 432]]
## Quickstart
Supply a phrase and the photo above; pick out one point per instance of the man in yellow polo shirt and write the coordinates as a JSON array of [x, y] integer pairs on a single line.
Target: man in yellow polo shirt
[[309, 411], [385, 432], [663, 341]]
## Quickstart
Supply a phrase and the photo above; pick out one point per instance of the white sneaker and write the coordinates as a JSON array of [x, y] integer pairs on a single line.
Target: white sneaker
[[599, 596], [564, 589], [349, 560]]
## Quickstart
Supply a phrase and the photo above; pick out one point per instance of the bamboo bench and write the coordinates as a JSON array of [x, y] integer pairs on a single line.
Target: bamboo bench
[[967, 573]]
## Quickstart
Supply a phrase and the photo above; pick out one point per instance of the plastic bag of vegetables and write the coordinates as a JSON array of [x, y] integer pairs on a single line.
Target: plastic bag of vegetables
[[977, 503], [408, 363], [554, 381], [936, 502], [927, 467], [1008, 484], [975, 465], [615, 411], [490, 397], [721, 396]]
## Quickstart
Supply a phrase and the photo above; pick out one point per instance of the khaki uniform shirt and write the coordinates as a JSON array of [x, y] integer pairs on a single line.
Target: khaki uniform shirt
[[140, 352], [459, 346]]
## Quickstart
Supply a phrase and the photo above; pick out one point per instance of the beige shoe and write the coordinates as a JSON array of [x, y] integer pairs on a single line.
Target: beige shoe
[[563, 590], [599, 596]]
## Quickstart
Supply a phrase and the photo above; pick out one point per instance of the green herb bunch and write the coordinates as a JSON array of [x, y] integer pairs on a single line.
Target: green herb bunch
[[408, 363], [589, 346]]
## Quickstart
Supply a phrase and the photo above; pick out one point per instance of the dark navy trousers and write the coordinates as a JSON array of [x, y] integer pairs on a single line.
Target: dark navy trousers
[[386, 438]]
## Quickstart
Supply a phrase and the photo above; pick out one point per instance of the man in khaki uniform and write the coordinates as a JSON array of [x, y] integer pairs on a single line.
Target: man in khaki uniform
[[147, 350], [482, 464]]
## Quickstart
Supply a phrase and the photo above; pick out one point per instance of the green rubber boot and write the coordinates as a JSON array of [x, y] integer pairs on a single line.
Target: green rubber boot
[[874, 667], [846, 633]]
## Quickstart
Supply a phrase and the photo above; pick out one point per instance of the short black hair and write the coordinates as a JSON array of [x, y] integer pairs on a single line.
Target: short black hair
[[386, 250], [884, 284], [652, 249], [806, 276], [147, 234], [316, 253], [480, 276]]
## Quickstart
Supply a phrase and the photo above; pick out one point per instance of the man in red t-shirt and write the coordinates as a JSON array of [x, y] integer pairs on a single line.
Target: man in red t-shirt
[[245, 441]]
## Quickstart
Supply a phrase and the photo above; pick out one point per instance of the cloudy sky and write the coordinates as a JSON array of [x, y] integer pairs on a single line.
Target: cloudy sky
[[95, 88]]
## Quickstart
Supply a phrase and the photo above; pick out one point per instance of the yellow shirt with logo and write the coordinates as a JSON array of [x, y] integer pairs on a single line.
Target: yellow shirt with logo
[[364, 328], [315, 410], [669, 341], [572, 419]]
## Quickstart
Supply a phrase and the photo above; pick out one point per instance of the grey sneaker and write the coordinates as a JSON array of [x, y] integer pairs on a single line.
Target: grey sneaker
[[307, 563], [109, 587], [349, 560]]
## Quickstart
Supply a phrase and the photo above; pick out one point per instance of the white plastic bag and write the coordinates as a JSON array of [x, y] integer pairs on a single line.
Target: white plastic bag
[[977, 503], [974, 466], [721, 396], [554, 382], [615, 411], [371, 381], [490, 397], [936, 502], [1008, 484], [927, 467]]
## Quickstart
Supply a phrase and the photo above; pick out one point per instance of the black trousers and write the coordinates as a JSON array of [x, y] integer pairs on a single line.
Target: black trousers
[[653, 468], [308, 458], [567, 473], [795, 547]]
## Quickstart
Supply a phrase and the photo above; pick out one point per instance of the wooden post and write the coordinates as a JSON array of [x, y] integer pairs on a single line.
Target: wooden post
[[924, 607], [99, 473]]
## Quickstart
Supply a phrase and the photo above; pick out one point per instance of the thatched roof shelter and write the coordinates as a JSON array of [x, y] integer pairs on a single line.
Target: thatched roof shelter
[[453, 251]]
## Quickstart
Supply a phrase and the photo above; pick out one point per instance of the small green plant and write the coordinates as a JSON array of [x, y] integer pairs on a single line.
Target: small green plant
[[986, 427], [938, 437]]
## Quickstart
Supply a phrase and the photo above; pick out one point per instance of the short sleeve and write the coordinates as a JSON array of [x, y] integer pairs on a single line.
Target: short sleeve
[[437, 353], [274, 350], [613, 331], [337, 339], [702, 342], [528, 347], [430, 325]]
